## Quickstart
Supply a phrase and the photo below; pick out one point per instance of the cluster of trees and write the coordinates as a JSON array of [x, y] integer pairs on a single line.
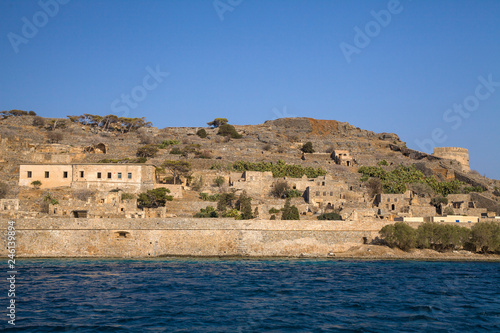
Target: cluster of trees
[[280, 169], [290, 212], [154, 198], [398, 180], [483, 237], [228, 205], [16, 113], [176, 168], [111, 122]]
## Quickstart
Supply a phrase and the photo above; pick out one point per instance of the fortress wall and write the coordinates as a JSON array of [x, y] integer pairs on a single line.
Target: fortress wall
[[454, 153], [184, 237]]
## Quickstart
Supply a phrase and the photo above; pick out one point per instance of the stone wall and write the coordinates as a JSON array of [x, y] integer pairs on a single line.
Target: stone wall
[[460, 155], [184, 237]]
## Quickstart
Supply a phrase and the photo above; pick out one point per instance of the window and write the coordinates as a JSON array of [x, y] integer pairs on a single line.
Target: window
[[98, 175], [331, 194], [81, 174], [65, 174], [129, 175], [323, 184], [109, 175], [46, 174], [324, 194], [30, 174], [119, 175], [317, 193]]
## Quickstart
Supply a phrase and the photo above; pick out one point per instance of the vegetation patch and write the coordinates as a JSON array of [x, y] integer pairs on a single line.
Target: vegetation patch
[[280, 169]]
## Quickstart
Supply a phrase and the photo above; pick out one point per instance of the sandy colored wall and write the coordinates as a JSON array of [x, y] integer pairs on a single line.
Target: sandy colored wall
[[185, 237]]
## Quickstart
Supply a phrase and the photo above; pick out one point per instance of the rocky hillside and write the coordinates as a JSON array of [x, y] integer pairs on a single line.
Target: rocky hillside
[[32, 139]]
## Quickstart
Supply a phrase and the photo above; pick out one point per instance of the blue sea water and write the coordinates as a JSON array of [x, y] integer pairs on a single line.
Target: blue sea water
[[223, 295]]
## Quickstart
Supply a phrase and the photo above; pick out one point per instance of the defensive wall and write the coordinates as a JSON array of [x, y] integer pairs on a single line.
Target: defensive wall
[[454, 153], [74, 237]]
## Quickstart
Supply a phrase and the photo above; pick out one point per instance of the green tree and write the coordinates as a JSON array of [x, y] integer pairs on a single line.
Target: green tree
[[290, 212], [399, 235], [307, 147], [177, 168], [154, 198], [245, 206], [226, 200], [217, 122], [147, 151], [486, 236]]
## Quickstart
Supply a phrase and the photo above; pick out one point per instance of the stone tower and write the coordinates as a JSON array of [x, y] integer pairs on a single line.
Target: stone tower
[[460, 155]]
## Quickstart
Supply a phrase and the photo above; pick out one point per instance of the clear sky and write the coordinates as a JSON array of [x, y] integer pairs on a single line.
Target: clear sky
[[426, 70]]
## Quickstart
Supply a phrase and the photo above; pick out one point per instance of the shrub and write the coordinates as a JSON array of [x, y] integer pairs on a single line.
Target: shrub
[[166, 143], [469, 189], [330, 216], [201, 133], [36, 184], [273, 217], [307, 148], [383, 163], [48, 198], [219, 181], [124, 160], [208, 197], [399, 235], [128, 196], [175, 151], [38, 121], [274, 211], [54, 137], [448, 211], [204, 154], [147, 151], [154, 198], [267, 147], [280, 189], [208, 212], [437, 201], [293, 193], [229, 131], [232, 213]]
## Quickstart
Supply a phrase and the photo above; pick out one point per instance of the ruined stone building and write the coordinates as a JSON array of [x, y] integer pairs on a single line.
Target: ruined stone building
[[343, 157], [128, 177], [461, 155]]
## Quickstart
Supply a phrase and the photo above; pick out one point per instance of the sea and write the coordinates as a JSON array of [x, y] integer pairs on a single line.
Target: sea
[[252, 295]]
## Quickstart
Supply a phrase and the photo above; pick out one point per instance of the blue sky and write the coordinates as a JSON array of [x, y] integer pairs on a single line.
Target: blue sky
[[251, 61]]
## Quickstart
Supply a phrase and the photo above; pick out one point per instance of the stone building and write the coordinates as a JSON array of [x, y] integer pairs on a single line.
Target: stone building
[[343, 157], [326, 192], [99, 176]]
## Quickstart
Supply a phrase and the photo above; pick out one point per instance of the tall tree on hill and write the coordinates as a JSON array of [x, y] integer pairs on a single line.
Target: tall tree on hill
[[177, 168], [245, 206]]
